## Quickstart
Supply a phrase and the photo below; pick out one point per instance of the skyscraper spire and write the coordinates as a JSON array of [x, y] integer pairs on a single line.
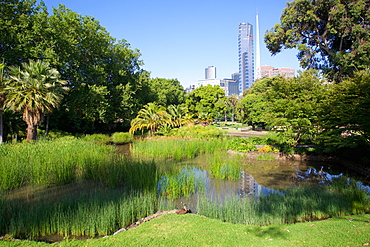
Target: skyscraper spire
[[258, 51]]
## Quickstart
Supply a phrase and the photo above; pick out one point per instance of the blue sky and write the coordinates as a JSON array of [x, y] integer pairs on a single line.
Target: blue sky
[[179, 39]]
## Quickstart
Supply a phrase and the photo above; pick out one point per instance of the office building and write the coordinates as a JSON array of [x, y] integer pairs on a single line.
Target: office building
[[246, 56], [269, 71], [211, 72]]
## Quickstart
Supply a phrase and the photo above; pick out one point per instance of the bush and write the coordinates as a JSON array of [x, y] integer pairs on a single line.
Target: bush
[[99, 138], [198, 131], [268, 149], [122, 137], [241, 145]]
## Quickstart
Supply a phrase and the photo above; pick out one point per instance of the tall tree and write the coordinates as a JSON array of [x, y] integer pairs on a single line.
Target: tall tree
[[166, 91], [331, 35], [35, 89], [207, 100]]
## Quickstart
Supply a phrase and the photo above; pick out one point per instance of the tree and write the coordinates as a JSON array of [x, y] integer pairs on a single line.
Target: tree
[[331, 35], [206, 100], [151, 117], [178, 115], [34, 89], [23, 32], [166, 92], [233, 101], [345, 119]]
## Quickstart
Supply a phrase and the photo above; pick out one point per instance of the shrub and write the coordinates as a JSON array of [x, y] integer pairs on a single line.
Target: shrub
[[268, 149], [122, 137], [198, 131], [99, 138]]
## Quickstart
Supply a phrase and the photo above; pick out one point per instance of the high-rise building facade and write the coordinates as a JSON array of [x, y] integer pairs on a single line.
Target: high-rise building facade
[[269, 71], [211, 72], [246, 56]]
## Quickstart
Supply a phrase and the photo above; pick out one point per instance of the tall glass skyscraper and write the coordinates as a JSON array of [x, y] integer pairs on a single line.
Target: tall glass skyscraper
[[246, 56]]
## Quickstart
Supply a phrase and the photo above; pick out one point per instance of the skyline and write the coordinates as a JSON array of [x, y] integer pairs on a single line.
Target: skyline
[[178, 40]]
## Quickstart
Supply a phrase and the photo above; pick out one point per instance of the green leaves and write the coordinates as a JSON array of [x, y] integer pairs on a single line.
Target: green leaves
[[331, 35]]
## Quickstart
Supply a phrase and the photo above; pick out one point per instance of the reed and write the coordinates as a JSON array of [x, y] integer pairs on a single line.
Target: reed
[[54, 162], [186, 183], [94, 213], [225, 167], [122, 137], [301, 203], [176, 148]]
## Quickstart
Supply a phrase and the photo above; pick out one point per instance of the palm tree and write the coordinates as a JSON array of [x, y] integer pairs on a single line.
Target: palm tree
[[177, 115], [34, 89], [150, 117]]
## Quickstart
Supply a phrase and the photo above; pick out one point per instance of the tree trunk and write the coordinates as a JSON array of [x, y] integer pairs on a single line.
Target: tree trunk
[[47, 125], [31, 132]]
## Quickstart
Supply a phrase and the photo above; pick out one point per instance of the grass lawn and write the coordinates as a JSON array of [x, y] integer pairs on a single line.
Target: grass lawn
[[195, 230]]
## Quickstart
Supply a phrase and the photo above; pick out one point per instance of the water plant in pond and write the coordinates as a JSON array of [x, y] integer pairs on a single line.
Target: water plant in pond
[[89, 212], [301, 203], [176, 148], [187, 182], [122, 137], [225, 167]]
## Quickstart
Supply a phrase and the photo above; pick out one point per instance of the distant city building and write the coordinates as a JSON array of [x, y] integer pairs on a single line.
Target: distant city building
[[211, 72], [269, 71], [246, 56], [230, 86]]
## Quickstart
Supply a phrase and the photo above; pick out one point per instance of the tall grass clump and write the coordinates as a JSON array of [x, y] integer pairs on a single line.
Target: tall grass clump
[[225, 167], [91, 213], [121, 137], [99, 138], [198, 131], [299, 203], [186, 183], [56, 162], [176, 148]]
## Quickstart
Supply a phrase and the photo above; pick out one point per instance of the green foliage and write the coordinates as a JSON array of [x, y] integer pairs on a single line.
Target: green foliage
[[176, 148], [241, 145], [345, 115], [166, 92], [34, 89], [206, 99], [98, 138], [330, 35], [198, 131], [226, 169], [299, 203], [121, 137], [184, 184]]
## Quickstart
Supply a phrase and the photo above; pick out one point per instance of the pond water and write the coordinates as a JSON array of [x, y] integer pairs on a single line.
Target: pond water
[[253, 177]]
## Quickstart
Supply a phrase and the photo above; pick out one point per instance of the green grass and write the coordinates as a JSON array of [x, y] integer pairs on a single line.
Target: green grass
[[176, 148], [121, 137], [195, 230]]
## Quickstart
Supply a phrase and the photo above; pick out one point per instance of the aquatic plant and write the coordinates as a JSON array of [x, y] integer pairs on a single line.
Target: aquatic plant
[[176, 148], [225, 167], [186, 183], [301, 203], [122, 137]]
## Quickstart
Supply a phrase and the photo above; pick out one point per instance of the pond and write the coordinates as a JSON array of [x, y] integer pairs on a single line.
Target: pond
[[216, 185], [239, 176]]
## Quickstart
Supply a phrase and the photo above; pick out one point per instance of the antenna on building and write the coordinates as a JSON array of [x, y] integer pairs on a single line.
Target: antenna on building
[[258, 50]]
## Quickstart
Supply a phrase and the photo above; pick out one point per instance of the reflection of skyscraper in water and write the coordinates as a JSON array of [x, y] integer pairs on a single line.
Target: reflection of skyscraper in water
[[249, 187]]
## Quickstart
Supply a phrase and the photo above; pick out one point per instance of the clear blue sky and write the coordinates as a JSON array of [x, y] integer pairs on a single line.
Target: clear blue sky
[[179, 39]]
